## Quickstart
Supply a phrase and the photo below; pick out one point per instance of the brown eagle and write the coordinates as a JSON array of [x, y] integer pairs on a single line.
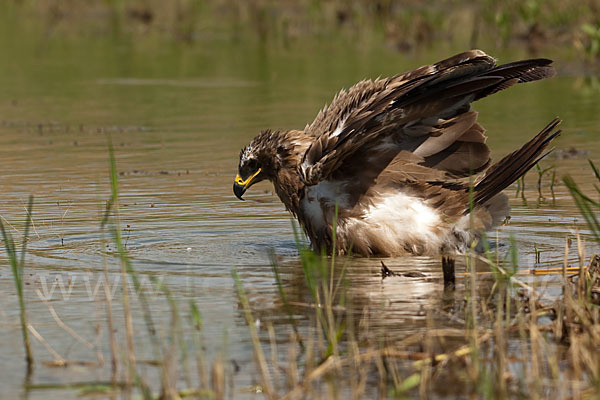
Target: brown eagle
[[402, 160]]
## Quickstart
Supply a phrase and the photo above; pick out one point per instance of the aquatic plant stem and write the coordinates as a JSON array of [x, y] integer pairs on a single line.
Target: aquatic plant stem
[[177, 339], [196, 323], [125, 299], [17, 267], [283, 298], [258, 352], [114, 364]]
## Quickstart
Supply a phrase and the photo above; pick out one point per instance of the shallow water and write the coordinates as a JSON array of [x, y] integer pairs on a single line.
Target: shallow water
[[177, 117]]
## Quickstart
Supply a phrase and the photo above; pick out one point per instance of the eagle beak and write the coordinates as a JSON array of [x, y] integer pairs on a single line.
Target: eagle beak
[[238, 190], [240, 186]]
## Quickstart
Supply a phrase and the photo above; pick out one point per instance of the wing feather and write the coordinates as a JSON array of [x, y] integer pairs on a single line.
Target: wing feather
[[425, 111], [448, 132]]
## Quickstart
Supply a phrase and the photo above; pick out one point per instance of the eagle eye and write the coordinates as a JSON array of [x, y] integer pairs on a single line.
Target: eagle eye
[[252, 164]]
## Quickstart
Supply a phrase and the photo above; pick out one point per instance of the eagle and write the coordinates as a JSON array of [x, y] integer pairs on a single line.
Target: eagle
[[399, 165]]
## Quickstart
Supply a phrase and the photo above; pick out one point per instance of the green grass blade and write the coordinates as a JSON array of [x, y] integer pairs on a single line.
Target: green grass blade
[[586, 206], [283, 297], [26, 232], [258, 352], [17, 270], [595, 169]]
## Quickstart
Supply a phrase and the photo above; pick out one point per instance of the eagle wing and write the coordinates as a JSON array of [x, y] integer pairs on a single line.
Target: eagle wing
[[416, 125]]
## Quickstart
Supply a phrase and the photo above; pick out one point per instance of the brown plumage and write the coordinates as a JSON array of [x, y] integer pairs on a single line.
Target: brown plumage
[[396, 156]]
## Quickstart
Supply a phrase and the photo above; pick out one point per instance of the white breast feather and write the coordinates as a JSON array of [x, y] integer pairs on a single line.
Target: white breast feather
[[398, 220], [402, 214], [326, 192]]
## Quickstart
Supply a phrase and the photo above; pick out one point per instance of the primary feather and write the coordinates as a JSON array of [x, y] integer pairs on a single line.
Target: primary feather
[[391, 153]]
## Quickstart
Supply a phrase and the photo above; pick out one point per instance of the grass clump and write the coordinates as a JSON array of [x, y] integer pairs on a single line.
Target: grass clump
[[165, 352], [169, 353], [509, 339], [589, 208], [494, 333]]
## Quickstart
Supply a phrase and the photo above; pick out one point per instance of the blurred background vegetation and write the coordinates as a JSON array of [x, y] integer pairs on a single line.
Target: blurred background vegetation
[[537, 26]]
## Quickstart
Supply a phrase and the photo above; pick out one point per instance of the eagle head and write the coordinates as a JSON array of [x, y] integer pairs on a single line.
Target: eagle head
[[261, 159]]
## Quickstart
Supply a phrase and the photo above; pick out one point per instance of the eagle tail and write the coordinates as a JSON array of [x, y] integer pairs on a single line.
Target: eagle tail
[[506, 171]]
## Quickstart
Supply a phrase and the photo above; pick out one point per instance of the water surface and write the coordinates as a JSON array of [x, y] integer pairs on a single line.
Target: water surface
[[177, 116]]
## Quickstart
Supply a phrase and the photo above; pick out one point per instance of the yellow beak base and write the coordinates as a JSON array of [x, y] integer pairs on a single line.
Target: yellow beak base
[[240, 185]]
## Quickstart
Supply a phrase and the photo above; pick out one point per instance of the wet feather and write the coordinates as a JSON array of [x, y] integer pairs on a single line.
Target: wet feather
[[396, 156]]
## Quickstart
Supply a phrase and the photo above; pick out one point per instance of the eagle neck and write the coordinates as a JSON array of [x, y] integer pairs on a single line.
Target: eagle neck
[[289, 188]]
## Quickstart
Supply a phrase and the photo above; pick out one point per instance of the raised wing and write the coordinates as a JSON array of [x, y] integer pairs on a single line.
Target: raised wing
[[420, 118]]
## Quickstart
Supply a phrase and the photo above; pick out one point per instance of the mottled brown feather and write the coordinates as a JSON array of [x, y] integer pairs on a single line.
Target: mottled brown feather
[[372, 109], [412, 134]]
